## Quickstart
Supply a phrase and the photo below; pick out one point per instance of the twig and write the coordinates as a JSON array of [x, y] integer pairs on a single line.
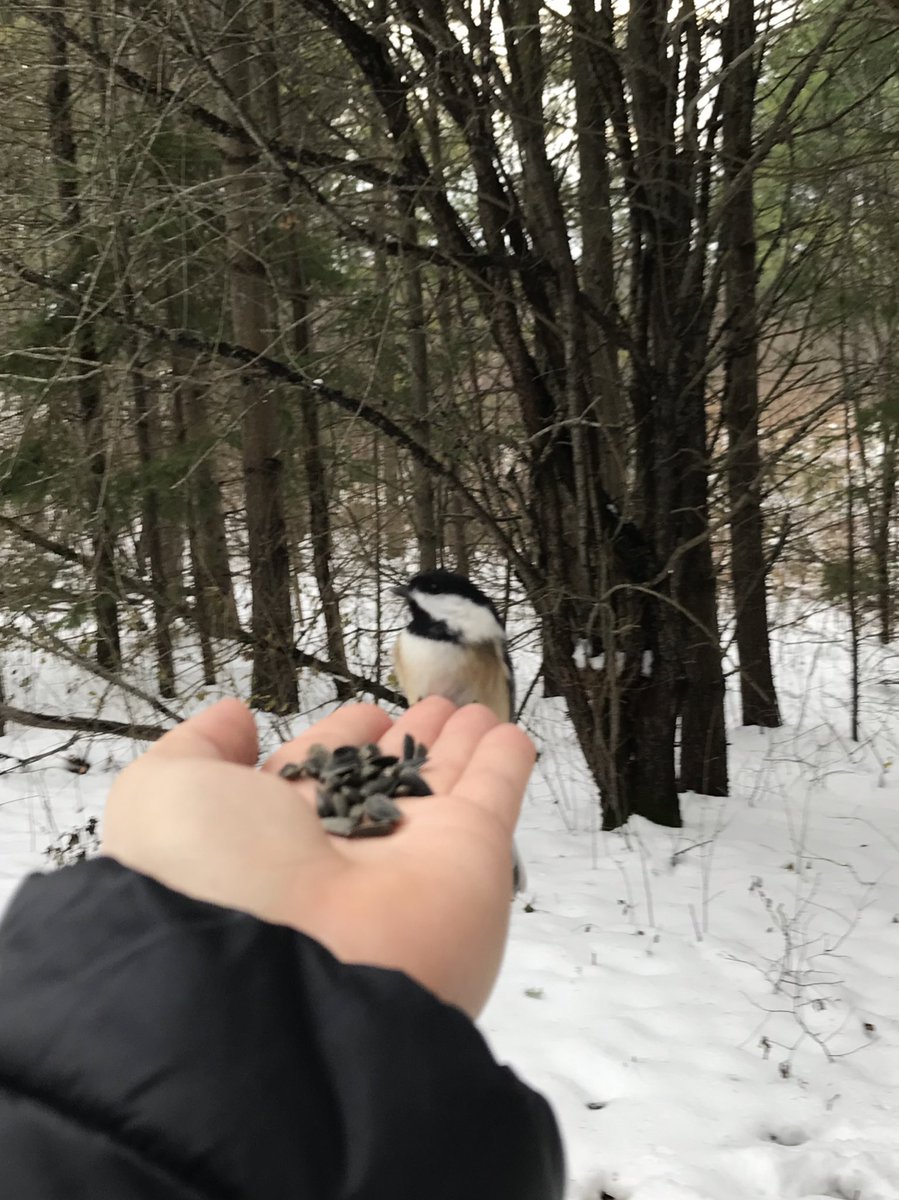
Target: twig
[[114, 678], [686, 849], [26, 762]]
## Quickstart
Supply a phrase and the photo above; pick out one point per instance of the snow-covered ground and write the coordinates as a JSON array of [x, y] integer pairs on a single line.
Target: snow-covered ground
[[712, 1011]]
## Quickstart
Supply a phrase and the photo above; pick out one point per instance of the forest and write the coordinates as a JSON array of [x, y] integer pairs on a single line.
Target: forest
[[594, 301]]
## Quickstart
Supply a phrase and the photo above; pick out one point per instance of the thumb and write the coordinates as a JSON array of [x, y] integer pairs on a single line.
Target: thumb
[[225, 732]]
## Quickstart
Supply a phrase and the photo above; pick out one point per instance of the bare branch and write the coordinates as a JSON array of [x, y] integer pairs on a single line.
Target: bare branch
[[132, 729]]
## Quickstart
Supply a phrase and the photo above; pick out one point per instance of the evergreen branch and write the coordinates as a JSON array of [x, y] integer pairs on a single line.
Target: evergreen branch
[[288, 159], [152, 89], [182, 609], [275, 369]]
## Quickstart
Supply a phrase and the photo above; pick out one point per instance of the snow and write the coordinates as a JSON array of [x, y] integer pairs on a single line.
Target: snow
[[712, 1011]]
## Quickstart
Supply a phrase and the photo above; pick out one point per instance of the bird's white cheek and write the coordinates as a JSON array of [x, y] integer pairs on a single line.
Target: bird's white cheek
[[473, 623]]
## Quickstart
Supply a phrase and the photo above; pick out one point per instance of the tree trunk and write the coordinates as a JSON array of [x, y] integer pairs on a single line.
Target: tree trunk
[[597, 236], [89, 383], [207, 536], [851, 580], [882, 541], [423, 503], [301, 346], [146, 435], [703, 739], [274, 685], [396, 527], [671, 321], [209, 607], [748, 566]]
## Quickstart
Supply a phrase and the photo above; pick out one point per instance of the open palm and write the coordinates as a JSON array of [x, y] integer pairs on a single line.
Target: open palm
[[431, 900]]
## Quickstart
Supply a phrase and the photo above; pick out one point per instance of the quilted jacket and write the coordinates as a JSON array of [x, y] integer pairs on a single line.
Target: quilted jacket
[[153, 1047]]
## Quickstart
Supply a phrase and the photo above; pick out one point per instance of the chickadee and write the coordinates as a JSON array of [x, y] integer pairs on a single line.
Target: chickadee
[[455, 646]]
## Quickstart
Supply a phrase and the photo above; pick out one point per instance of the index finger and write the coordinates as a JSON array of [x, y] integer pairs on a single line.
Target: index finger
[[498, 772], [351, 725]]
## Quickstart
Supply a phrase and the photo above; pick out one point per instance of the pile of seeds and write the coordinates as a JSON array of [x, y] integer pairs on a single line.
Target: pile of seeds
[[357, 785]]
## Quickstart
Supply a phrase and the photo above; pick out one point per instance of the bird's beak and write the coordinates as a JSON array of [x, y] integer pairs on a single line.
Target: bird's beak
[[400, 590]]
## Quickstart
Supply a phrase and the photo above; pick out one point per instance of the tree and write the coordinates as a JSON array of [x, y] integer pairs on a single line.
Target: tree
[[839, 173], [88, 381], [741, 400], [274, 678], [544, 222]]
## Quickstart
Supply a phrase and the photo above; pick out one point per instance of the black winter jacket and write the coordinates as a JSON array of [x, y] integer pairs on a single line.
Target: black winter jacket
[[156, 1048]]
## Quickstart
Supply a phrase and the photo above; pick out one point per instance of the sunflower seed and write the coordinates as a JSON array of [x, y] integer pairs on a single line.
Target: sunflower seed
[[412, 785], [324, 803], [356, 785], [379, 830], [339, 826], [316, 759], [381, 808]]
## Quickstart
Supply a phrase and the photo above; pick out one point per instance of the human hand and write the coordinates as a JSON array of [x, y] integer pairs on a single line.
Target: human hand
[[432, 899]]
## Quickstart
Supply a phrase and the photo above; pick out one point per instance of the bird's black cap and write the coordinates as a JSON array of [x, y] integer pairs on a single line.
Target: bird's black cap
[[441, 583]]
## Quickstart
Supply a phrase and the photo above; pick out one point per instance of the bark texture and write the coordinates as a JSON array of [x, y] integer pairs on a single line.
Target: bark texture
[[274, 684], [89, 383], [744, 464]]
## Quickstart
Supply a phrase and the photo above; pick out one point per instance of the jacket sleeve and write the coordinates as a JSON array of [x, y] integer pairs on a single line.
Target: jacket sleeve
[[156, 1047]]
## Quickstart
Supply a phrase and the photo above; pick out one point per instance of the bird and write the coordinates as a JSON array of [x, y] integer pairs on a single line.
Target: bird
[[455, 646]]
